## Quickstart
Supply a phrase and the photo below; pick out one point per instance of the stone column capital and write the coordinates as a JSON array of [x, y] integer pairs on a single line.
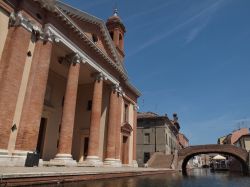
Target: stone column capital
[[18, 19], [99, 76], [115, 88], [15, 19], [118, 89], [136, 107], [46, 35], [72, 58]]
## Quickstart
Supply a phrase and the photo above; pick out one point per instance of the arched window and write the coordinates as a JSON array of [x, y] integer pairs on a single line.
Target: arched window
[[94, 38], [121, 41], [120, 37], [111, 35]]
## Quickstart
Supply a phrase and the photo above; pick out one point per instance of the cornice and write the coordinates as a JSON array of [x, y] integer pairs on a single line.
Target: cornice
[[83, 16], [76, 29]]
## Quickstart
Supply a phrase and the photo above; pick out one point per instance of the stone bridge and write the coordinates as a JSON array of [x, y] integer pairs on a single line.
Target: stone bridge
[[187, 153]]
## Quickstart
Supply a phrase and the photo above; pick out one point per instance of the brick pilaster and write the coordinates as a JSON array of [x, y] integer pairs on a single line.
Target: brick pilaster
[[112, 125], [68, 118], [95, 118], [33, 104], [11, 71]]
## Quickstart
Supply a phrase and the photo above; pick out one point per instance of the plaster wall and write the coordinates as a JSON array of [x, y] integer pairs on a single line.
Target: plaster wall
[[131, 121], [4, 20], [247, 143]]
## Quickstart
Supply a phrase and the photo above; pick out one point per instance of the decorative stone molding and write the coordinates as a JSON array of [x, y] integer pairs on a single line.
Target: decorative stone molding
[[47, 35], [118, 89], [126, 129], [72, 58], [115, 88], [136, 107], [48, 5], [18, 19], [100, 76]]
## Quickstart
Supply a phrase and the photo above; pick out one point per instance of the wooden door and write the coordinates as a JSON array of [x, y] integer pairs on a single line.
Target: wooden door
[[125, 149]]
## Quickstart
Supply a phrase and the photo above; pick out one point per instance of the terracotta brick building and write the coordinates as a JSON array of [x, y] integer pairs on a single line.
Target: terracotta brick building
[[233, 137], [64, 90]]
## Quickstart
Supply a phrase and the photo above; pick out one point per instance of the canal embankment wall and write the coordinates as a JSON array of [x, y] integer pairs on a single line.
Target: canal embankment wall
[[18, 176]]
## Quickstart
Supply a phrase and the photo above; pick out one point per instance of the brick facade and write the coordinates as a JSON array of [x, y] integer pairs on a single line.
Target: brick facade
[[30, 121], [11, 70], [49, 116]]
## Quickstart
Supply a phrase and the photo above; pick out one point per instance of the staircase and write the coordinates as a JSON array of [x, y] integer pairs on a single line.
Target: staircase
[[160, 160]]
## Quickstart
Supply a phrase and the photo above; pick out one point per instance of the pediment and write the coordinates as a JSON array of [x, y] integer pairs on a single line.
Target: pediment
[[92, 25]]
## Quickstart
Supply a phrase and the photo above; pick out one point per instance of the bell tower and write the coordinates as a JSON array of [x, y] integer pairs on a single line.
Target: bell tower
[[116, 30]]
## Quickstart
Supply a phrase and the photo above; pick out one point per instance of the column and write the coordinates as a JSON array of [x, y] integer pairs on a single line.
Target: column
[[118, 128], [93, 150], [11, 71], [110, 159], [65, 140], [28, 130], [135, 164]]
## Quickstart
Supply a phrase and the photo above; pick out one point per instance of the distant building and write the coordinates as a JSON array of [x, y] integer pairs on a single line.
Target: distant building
[[239, 138], [233, 137], [200, 160], [157, 134], [243, 142], [221, 139]]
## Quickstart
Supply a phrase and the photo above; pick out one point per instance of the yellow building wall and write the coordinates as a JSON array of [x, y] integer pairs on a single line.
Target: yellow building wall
[[247, 144]]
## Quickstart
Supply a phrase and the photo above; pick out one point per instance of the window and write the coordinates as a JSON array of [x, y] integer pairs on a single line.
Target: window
[[112, 35], [120, 37], [120, 41], [89, 106], [146, 138], [126, 112], [146, 157], [167, 139], [94, 38]]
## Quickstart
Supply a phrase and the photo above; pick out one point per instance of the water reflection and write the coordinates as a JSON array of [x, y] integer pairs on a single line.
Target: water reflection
[[196, 178]]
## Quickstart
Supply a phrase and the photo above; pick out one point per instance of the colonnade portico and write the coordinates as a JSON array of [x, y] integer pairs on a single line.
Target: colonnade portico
[[27, 118]]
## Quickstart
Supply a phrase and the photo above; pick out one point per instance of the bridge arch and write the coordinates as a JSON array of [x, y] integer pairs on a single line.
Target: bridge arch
[[184, 155]]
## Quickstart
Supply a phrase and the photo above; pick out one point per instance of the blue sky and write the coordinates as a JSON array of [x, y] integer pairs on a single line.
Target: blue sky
[[187, 56]]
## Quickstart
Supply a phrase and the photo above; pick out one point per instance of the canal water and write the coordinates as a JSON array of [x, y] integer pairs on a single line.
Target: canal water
[[196, 178]]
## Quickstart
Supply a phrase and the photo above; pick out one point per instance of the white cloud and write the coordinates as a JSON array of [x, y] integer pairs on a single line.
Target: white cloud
[[149, 11], [205, 13]]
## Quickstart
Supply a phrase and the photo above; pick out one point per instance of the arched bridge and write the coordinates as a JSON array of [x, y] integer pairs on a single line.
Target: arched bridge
[[187, 153]]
